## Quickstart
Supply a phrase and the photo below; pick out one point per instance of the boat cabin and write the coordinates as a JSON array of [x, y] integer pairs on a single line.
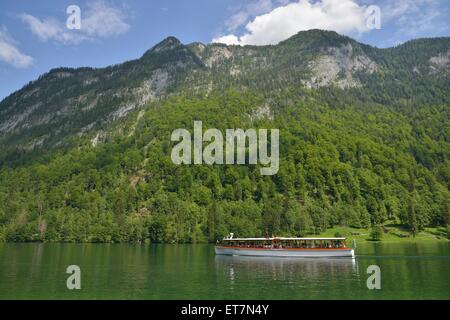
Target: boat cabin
[[284, 243]]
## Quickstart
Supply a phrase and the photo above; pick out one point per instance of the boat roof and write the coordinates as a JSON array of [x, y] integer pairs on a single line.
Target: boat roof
[[278, 238]]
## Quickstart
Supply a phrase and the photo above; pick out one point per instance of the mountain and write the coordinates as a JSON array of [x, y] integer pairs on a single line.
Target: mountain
[[65, 102], [364, 137]]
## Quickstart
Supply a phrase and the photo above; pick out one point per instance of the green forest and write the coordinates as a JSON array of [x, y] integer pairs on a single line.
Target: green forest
[[341, 164]]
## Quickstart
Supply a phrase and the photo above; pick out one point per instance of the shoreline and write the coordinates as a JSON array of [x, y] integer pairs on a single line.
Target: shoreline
[[349, 241], [392, 233]]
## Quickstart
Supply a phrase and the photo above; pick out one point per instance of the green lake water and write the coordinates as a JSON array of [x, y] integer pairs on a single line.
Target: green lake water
[[125, 271]]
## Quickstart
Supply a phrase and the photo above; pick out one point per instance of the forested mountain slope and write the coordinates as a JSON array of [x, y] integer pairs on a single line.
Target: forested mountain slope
[[364, 139]]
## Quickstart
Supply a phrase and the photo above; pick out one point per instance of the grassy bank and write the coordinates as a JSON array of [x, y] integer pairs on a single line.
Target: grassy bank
[[391, 233]]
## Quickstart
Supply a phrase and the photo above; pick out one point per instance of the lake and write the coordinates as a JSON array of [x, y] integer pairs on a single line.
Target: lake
[[128, 271]]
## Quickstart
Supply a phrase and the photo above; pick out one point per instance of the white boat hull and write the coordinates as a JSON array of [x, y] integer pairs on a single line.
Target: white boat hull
[[301, 253]]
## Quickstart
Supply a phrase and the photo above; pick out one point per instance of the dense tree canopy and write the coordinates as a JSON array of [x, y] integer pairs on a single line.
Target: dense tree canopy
[[353, 165]]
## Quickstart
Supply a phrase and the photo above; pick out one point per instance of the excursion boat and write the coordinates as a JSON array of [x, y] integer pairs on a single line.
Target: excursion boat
[[285, 247]]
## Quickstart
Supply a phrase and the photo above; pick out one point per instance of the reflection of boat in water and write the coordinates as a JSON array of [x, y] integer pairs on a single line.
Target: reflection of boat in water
[[285, 247], [283, 261], [287, 268]]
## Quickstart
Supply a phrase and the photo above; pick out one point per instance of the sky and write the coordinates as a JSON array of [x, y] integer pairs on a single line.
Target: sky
[[36, 36]]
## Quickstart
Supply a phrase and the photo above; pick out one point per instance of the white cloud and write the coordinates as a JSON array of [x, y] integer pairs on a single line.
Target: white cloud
[[397, 8], [230, 39], [249, 9], [52, 29], [9, 52], [415, 18], [102, 20], [343, 16], [98, 20]]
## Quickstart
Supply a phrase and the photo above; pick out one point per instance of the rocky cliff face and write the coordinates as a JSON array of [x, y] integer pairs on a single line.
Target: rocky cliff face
[[337, 67]]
